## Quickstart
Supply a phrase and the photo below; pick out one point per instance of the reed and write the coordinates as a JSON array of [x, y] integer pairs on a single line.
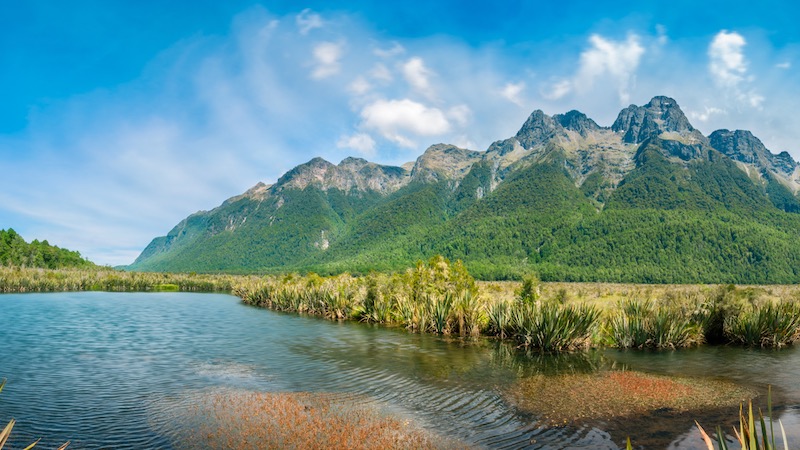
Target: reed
[[441, 297]]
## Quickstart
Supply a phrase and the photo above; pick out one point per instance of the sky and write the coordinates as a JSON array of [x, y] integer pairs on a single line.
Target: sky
[[119, 118]]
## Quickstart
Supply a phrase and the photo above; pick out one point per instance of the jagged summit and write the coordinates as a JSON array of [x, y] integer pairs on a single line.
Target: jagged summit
[[741, 145], [660, 115], [538, 128], [444, 161], [350, 174], [577, 121]]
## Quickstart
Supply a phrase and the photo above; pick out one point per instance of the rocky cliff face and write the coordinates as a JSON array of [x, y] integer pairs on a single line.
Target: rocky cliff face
[[747, 150], [661, 115]]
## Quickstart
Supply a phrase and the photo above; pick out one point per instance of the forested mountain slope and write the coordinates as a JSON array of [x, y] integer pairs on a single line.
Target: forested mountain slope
[[648, 199]]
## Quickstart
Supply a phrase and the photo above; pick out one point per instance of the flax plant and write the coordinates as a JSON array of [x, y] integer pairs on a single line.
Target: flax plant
[[642, 324], [768, 325]]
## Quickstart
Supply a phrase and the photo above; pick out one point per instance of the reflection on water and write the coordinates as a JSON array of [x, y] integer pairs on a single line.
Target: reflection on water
[[111, 370]]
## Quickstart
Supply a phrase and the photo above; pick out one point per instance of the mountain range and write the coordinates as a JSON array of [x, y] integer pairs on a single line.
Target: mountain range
[[648, 199]]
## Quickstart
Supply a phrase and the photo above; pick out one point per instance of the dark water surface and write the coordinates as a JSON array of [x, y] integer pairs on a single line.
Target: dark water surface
[[114, 370]]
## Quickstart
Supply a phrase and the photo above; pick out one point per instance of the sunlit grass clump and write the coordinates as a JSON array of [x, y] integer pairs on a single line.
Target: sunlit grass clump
[[643, 324]]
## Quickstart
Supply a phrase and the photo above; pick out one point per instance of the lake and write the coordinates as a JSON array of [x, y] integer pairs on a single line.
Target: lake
[[119, 370]]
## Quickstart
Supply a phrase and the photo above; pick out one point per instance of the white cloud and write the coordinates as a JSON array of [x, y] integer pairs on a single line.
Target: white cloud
[[360, 142], [359, 86], [308, 20], [381, 72], [327, 56], [706, 114], [726, 59], [784, 65], [395, 50], [461, 114], [558, 90], [512, 91], [396, 119], [416, 74], [616, 59], [728, 68]]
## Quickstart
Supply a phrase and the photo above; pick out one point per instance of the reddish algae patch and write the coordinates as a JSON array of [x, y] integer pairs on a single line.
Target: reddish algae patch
[[564, 399], [302, 421]]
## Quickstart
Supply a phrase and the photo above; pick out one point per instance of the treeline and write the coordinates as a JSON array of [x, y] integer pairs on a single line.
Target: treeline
[[14, 251]]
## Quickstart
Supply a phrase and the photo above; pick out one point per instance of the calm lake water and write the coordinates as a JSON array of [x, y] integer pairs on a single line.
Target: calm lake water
[[114, 370]]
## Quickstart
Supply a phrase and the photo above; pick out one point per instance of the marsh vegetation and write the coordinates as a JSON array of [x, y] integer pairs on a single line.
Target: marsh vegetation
[[441, 297]]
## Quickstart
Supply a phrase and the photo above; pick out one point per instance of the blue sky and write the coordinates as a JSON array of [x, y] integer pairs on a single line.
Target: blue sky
[[120, 118]]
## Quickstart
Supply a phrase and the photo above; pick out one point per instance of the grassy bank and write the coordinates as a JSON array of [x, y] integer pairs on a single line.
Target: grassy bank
[[443, 298], [21, 280]]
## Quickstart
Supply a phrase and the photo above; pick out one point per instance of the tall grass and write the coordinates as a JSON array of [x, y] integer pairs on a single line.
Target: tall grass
[[643, 324], [17, 279], [768, 325], [553, 327]]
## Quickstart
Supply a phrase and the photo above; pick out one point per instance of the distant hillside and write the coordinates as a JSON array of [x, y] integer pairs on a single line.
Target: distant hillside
[[14, 251], [648, 199]]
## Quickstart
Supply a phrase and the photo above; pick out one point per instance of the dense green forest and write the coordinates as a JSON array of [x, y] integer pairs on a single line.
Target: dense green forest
[[14, 251]]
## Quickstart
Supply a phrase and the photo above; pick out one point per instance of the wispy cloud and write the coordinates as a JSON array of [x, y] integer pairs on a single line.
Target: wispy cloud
[[607, 60], [327, 56], [418, 75], [728, 67], [308, 20], [513, 91]]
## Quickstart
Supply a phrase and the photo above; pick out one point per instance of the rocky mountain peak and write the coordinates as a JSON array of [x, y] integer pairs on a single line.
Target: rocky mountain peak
[[661, 115], [576, 121], [351, 174], [538, 129], [742, 146], [444, 161], [353, 162]]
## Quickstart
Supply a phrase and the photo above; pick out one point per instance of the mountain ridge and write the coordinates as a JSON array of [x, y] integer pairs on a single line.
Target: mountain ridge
[[344, 217]]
